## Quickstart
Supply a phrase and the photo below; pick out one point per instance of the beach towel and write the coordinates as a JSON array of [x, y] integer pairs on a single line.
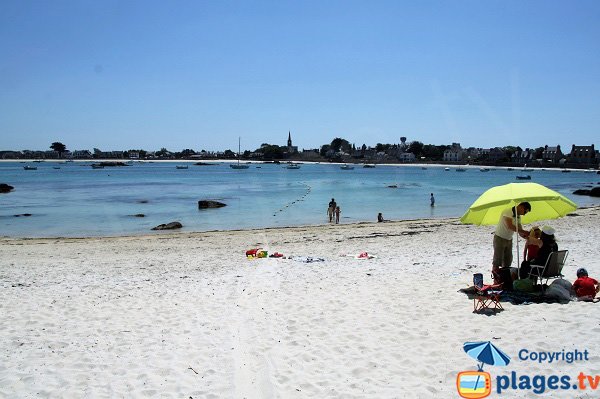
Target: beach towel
[[362, 255], [306, 259]]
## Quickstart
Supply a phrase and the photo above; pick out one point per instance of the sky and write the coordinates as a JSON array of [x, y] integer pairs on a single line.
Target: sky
[[119, 75]]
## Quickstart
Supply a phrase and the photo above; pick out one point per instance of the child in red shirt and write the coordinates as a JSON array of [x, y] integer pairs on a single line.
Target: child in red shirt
[[585, 287]]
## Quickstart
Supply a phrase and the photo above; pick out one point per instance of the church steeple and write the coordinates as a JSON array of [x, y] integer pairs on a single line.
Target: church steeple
[[289, 139]]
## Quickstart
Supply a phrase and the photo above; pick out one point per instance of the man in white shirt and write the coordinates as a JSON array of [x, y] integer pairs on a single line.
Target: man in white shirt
[[509, 223]]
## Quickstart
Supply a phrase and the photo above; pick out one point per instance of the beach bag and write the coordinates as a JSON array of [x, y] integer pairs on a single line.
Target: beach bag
[[523, 285], [262, 254], [558, 292], [251, 252], [505, 277]]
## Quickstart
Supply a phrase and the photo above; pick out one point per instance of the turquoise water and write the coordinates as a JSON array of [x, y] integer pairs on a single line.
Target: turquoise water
[[77, 200]]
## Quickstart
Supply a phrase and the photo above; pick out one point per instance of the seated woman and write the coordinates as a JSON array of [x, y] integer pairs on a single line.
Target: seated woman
[[546, 244]]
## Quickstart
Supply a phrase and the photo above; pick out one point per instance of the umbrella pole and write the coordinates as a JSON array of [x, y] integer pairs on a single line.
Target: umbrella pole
[[517, 228]]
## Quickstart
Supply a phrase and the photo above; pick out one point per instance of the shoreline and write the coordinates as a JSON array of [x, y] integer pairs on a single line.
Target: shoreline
[[191, 234], [176, 233]]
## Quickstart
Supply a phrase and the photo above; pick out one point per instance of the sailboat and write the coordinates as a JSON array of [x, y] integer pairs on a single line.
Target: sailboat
[[238, 165]]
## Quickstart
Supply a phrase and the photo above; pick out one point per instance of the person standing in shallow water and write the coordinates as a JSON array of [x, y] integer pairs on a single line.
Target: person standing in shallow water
[[432, 199], [331, 209], [337, 214]]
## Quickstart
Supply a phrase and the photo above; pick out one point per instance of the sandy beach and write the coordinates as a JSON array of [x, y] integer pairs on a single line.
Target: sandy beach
[[189, 316]]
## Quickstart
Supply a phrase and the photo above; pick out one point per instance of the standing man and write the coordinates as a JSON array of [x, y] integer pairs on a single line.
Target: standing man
[[505, 229], [432, 200], [331, 209]]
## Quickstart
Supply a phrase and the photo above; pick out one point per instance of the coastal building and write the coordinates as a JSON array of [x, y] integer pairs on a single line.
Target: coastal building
[[523, 157], [407, 157], [311, 155], [81, 154], [10, 154], [27, 154], [552, 154], [454, 153], [492, 155], [583, 155]]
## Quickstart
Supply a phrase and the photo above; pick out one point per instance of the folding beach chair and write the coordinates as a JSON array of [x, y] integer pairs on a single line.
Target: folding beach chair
[[552, 269], [486, 296]]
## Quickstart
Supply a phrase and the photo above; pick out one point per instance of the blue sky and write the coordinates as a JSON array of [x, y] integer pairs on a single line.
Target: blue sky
[[198, 74]]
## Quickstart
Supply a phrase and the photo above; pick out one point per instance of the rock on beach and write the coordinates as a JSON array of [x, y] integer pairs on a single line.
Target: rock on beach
[[168, 226]]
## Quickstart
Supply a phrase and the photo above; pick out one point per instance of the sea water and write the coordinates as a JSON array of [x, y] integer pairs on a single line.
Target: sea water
[[77, 200]]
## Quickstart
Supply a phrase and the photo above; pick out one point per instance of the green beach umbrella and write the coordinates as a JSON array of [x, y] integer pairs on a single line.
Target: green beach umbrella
[[545, 204]]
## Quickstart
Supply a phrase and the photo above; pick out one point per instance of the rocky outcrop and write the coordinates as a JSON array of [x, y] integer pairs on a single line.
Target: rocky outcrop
[[205, 204], [594, 192], [139, 215], [5, 188], [22, 214], [168, 226]]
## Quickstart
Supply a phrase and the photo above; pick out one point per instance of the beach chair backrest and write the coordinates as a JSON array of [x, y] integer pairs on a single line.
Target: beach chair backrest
[[478, 280], [555, 263]]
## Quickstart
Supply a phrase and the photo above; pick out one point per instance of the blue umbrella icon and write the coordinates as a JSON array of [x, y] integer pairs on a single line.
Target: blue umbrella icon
[[486, 352]]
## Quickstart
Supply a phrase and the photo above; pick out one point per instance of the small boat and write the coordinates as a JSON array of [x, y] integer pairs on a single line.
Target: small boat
[[423, 168], [524, 177], [446, 169], [68, 161], [485, 169], [589, 171], [27, 167], [181, 166], [56, 167], [565, 171], [292, 166], [510, 169], [368, 165], [461, 170], [346, 167], [97, 166], [238, 165]]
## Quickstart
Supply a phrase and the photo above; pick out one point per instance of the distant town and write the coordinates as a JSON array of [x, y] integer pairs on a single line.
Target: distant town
[[340, 150]]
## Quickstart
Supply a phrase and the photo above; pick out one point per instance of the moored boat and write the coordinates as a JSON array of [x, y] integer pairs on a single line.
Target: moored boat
[[238, 165]]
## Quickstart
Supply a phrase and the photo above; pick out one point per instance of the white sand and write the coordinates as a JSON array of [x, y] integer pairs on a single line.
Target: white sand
[[187, 315]]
